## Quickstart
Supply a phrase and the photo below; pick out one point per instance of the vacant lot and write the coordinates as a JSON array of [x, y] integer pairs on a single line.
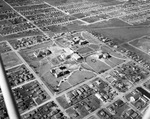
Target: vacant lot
[[10, 59], [80, 76], [124, 34], [110, 23], [142, 43]]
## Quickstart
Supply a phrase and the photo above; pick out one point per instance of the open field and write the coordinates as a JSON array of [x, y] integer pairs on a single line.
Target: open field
[[142, 43], [110, 23], [97, 66], [124, 34], [80, 76], [10, 59], [4, 6]]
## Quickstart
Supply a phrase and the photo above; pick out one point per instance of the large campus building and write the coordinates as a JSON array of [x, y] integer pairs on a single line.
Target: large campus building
[[74, 59]]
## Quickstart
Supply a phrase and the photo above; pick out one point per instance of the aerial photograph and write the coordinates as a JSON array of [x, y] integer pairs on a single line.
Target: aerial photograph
[[74, 59]]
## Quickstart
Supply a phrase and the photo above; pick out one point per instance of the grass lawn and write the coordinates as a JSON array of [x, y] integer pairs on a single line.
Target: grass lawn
[[80, 76], [97, 65]]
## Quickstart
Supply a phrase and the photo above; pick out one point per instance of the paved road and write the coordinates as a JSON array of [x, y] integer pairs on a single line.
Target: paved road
[[53, 97]]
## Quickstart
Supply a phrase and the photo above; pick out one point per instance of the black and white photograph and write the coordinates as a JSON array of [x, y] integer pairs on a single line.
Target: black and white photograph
[[74, 59]]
